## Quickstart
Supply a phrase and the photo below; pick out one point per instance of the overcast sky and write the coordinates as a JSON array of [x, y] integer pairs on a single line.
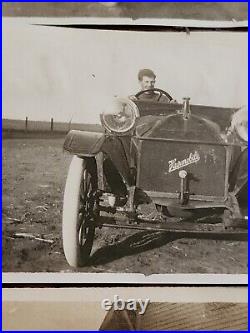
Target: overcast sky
[[64, 73]]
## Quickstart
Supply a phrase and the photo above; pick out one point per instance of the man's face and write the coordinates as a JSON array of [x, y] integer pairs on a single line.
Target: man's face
[[147, 82]]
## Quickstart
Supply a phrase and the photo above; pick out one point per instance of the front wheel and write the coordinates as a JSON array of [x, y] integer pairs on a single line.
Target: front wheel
[[78, 228]]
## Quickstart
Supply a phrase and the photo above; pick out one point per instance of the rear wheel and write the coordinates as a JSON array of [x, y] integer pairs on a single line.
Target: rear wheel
[[79, 212]]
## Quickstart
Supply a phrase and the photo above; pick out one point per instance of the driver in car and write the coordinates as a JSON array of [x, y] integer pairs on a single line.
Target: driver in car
[[146, 79]]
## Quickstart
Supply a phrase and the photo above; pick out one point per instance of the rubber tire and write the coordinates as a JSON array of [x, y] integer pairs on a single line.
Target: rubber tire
[[76, 254]]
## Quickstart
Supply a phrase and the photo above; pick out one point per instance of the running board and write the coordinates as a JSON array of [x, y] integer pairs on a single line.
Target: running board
[[180, 229]]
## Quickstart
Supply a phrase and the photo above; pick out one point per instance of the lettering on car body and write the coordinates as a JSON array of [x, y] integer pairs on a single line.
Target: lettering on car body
[[175, 165]]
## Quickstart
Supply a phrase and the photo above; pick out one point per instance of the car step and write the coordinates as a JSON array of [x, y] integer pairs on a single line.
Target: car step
[[180, 229]]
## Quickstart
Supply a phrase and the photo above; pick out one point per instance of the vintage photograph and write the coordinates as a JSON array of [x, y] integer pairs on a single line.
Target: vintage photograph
[[78, 309], [124, 151]]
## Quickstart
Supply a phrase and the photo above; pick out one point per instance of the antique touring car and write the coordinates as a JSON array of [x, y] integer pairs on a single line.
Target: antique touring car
[[157, 166]]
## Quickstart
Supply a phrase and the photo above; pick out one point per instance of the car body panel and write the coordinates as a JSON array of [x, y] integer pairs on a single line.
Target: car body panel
[[161, 144], [202, 162]]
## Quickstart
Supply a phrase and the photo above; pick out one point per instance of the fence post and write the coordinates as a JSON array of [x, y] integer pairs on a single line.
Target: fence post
[[26, 123], [52, 124]]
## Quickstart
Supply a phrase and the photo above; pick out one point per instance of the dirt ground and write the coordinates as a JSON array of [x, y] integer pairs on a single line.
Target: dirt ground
[[34, 174]]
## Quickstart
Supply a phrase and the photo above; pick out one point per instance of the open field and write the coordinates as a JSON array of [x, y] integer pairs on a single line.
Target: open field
[[15, 128], [34, 174], [10, 125]]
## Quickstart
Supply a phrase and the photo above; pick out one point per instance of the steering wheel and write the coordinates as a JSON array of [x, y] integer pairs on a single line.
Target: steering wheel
[[160, 91]]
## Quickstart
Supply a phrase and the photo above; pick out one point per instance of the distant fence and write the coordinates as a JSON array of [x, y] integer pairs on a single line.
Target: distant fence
[[27, 125]]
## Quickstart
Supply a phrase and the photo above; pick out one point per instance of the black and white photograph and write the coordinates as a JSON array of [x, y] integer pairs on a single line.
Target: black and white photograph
[[125, 142]]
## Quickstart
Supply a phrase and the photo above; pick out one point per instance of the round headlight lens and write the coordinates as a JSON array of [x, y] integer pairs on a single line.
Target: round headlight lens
[[120, 116], [240, 123]]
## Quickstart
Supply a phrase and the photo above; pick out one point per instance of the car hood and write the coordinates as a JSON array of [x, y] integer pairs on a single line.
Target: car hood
[[205, 123]]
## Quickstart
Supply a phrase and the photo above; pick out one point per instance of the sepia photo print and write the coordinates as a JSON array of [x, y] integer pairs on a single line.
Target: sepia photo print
[[125, 142]]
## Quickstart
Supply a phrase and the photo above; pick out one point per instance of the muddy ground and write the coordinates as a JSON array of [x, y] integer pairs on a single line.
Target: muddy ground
[[34, 174]]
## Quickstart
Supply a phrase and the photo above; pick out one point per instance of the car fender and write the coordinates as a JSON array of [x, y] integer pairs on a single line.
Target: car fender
[[117, 150], [84, 143], [239, 174]]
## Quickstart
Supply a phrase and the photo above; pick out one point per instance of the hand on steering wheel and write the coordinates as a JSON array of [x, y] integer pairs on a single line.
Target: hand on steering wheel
[[160, 91]]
